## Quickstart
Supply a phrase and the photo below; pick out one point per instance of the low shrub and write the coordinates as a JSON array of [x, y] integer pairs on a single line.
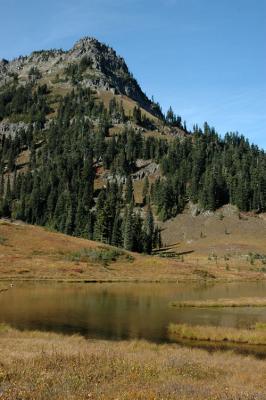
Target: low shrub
[[100, 255]]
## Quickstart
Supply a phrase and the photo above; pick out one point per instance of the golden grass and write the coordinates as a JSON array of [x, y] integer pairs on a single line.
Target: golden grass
[[222, 240], [218, 334], [23, 158], [158, 134], [41, 366], [128, 104], [239, 302], [34, 253]]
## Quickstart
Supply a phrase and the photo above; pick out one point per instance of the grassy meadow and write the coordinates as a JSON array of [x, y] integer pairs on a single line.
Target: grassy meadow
[[34, 253], [41, 366]]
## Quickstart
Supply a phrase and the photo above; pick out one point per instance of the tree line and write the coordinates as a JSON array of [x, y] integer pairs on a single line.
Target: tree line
[[58, 189]]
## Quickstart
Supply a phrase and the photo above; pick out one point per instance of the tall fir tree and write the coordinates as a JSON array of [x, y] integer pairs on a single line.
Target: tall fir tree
[[145, 191], [129, 228], [148, 230]]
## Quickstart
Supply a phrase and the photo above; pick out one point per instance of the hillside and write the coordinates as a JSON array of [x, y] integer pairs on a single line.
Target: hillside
[[224, 237], [30, 252], [84, 151]]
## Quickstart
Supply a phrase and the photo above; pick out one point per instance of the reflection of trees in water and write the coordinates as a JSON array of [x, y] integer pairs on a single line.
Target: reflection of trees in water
[[121, 311]]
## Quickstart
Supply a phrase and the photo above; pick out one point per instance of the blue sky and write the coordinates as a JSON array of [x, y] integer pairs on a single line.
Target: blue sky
[[205, 58]]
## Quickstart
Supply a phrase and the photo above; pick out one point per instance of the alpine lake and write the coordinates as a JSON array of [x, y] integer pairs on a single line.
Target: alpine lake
[[128, 311]]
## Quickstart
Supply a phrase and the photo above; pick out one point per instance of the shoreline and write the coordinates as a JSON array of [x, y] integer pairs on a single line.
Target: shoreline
[[135, 280]]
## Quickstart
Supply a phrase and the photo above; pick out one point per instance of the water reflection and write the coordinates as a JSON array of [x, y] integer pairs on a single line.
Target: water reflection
[[122, 311]]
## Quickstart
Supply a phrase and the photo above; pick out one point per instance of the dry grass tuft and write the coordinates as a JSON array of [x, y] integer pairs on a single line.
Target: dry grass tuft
[[240, 302], [218, 334]]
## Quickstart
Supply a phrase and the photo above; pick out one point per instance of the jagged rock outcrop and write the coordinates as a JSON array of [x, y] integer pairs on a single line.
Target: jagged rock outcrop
[[12, 128], [146, 168], [151, 169]]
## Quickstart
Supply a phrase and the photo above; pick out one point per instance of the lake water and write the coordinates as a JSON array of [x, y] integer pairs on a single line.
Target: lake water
[[123, 310]]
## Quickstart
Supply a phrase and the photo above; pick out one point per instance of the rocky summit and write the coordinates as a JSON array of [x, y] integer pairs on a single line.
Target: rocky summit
[[89, 62]]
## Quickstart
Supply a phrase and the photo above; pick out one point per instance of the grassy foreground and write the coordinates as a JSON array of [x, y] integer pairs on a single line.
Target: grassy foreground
[[34, 253], [240, 302], [256, 335], [41, 366]]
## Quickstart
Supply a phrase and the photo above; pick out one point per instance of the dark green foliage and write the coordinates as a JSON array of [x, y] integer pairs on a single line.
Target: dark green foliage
[[129, 194], [85, 63], [75, 71], [101, 255], [137, 115], [34, 73], [173, 120], [157, 239], [116, 111], [58, 189], [22, 103], [128, 228], [148, 231], [145, 190], [212, 171]]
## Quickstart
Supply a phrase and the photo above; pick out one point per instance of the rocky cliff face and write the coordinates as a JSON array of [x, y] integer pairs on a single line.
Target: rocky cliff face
[[102, 69]]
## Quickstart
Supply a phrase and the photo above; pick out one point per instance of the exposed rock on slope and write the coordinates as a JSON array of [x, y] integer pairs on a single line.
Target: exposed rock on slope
[[11, 129]]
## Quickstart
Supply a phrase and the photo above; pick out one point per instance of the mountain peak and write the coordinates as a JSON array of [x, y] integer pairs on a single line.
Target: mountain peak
[[98, 51], [97, 65], [86, 41]]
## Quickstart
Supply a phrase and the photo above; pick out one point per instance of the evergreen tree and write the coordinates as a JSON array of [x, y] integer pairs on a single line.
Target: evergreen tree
[[149, 231], [138, 235], [129, 192], [116, 232], [137, 115], [7, 206], [145, 190], [128, 228], [68, 229]]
